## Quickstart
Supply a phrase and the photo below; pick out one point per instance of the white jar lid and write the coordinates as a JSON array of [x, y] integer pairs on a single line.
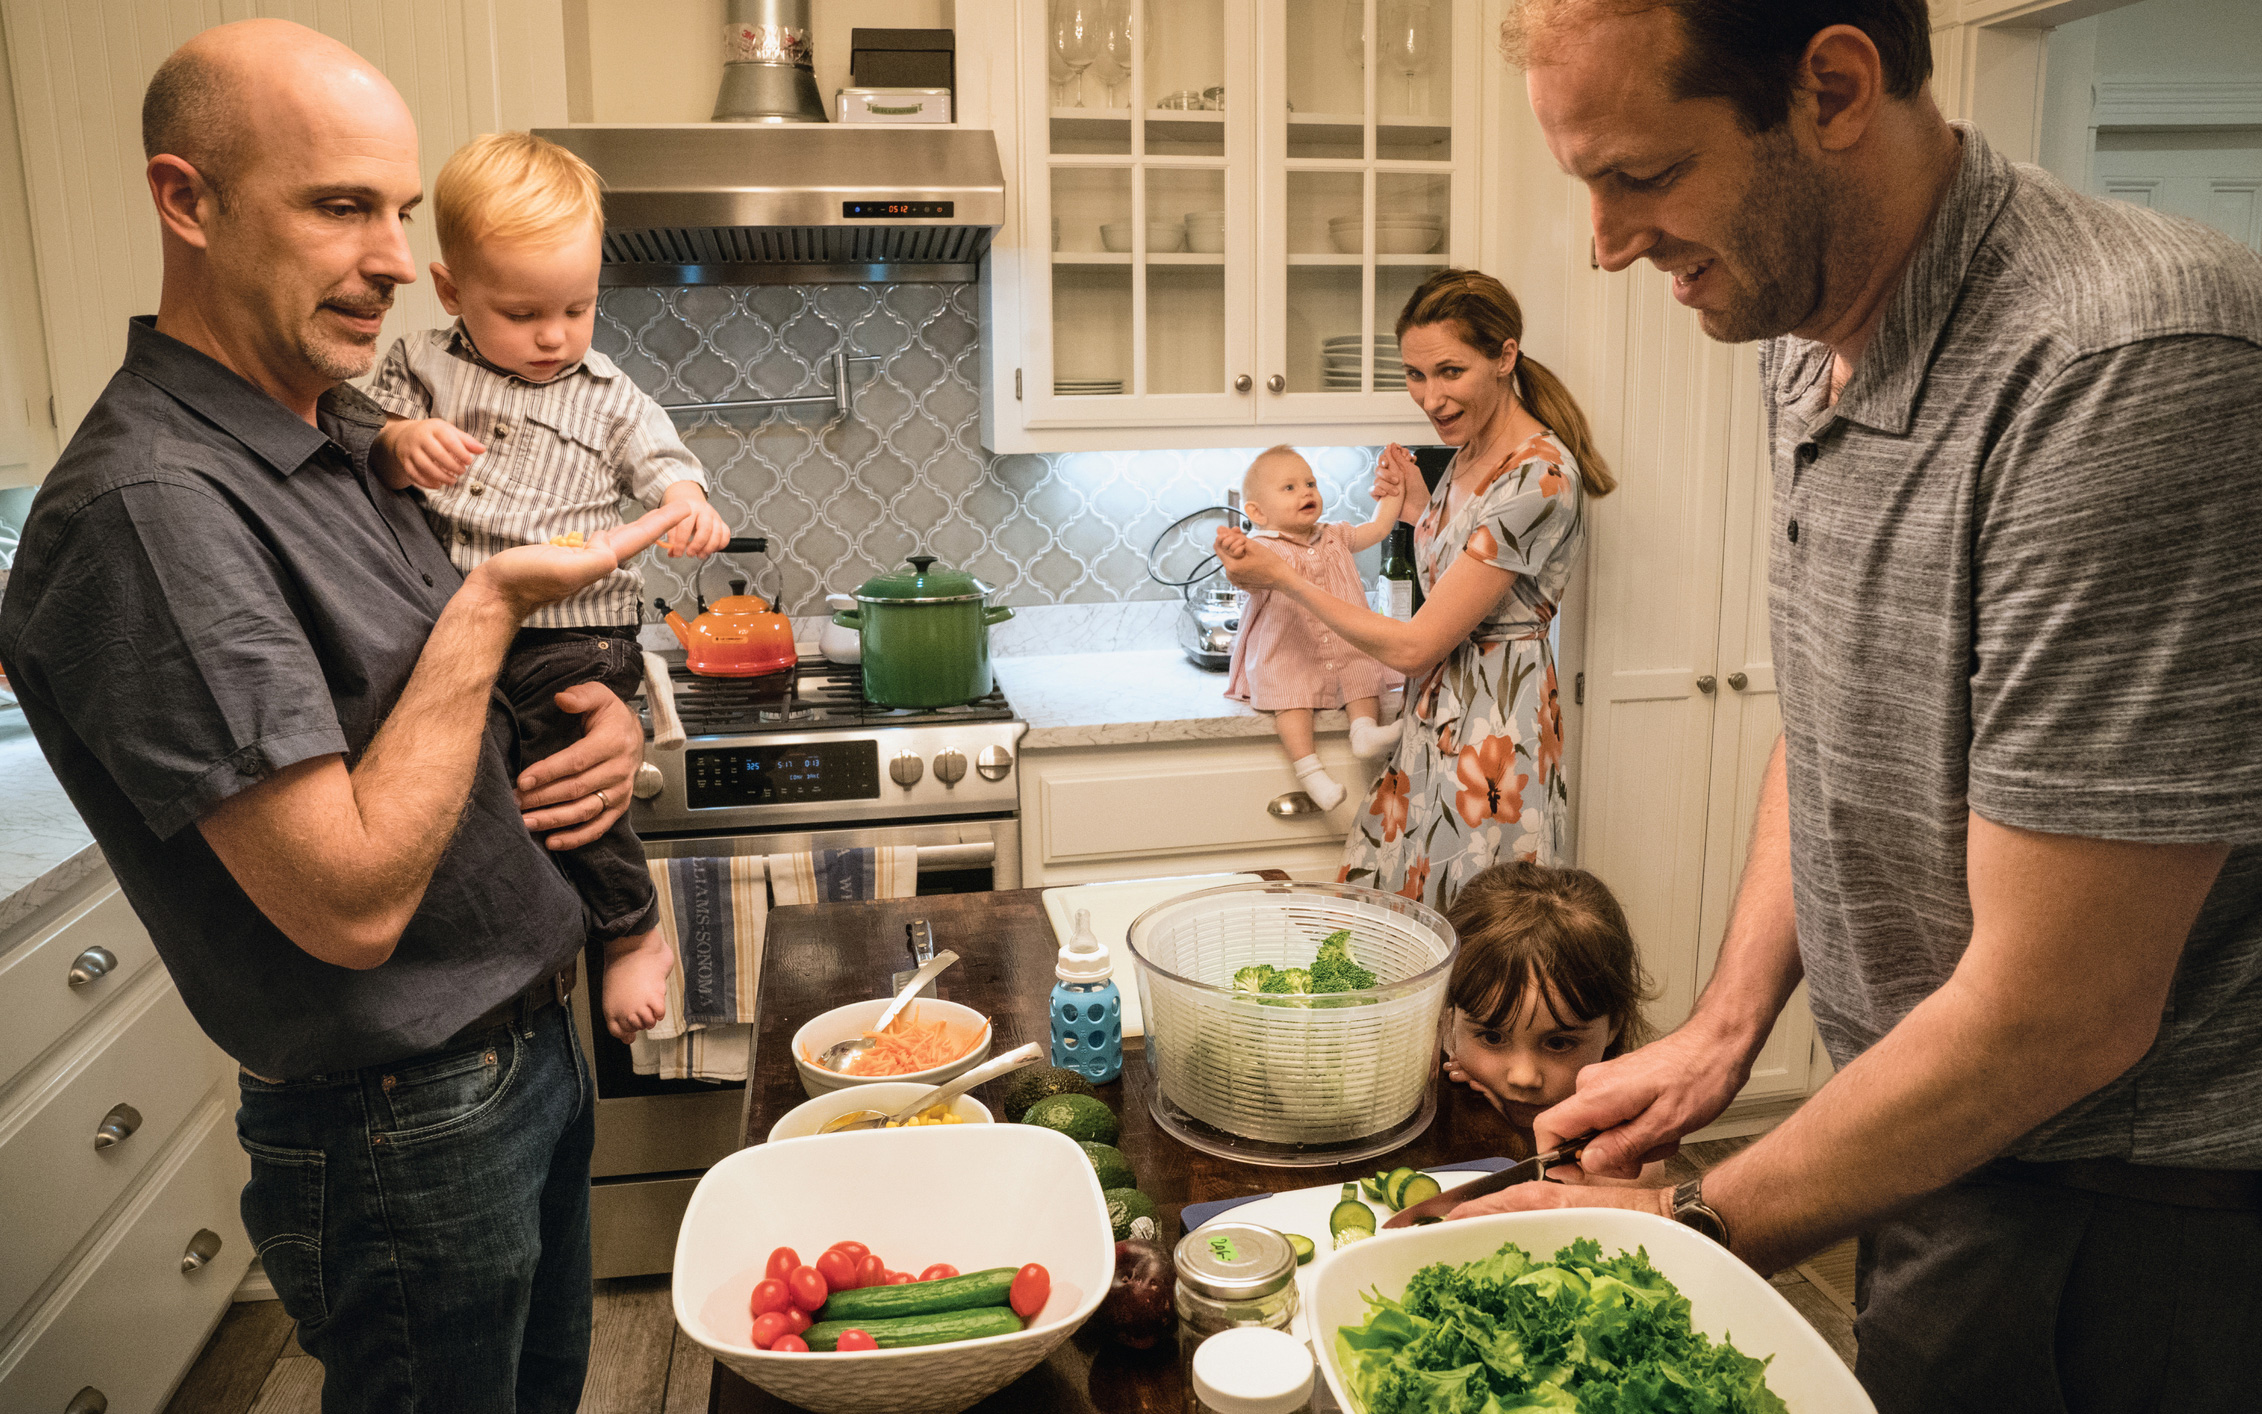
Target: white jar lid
[[1253, 1370]]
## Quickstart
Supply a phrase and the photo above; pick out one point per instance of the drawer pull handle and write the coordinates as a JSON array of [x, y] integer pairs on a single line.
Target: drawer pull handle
[[201, 1248], [1293, 804], [117, 1126], [92, 965], [88, 1401]]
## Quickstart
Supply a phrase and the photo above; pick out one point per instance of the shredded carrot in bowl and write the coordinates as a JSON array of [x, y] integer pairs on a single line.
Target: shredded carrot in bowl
[[912, 1045]]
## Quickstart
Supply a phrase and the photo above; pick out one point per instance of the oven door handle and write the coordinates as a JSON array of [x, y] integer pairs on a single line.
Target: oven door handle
[[933, 857]]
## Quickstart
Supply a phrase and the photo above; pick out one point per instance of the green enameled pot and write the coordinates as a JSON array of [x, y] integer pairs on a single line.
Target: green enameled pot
[[925, 636]]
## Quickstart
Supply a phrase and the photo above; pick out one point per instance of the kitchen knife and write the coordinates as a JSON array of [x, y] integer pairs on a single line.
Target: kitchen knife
[[1524, 1172]]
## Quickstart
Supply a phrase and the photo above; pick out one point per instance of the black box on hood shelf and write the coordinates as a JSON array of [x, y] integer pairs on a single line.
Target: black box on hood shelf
[[904, 58]]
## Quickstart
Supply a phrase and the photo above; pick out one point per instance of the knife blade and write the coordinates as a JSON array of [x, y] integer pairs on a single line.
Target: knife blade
[[1522, 1172]]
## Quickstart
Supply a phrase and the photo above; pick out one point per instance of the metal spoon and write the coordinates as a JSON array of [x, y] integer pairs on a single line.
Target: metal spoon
[[837, 1055], [988, 1070]]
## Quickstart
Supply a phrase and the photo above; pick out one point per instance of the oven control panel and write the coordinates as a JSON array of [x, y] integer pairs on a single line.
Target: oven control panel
[[781, 774]]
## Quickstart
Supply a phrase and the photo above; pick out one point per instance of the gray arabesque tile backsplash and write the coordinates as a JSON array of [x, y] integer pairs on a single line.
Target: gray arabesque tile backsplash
[[844, 499]]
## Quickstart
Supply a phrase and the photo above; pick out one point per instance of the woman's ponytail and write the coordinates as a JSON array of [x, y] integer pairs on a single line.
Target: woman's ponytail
[[1488, 319]]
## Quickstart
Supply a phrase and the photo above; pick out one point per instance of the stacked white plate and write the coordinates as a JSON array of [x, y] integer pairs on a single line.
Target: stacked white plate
[[1395, 232], [1205, 231], [1339, 362], [1086, 387]]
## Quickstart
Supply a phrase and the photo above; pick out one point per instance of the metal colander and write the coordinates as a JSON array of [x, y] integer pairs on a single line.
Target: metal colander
[[1309, 1080]]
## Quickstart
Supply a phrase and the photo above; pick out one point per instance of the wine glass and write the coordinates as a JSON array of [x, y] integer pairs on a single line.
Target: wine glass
[[1057, 71], [1355, 32], [1076, 33], [1113, 62], [1405, 37]]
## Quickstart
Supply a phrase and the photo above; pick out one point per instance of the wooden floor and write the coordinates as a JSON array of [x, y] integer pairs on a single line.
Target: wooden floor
[[640, 1364]]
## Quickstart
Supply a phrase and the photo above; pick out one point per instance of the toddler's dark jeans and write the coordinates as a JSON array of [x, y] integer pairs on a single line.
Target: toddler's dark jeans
[[426, 1222], [617, 897]]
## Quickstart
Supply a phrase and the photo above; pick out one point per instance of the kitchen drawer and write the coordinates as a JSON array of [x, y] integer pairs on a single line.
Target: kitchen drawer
[[129, 1321], [36, 994], [1161, 800], [145, 1052]]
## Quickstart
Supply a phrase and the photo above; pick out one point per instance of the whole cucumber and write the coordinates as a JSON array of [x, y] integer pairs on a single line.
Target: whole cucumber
[[932, 1329], [919, 1298]]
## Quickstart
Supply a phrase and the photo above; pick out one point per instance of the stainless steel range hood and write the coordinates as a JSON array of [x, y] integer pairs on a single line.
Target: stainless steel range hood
[[729, 204]]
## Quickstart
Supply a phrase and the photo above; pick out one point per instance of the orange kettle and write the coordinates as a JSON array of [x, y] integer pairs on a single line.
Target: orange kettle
[[737, 636]]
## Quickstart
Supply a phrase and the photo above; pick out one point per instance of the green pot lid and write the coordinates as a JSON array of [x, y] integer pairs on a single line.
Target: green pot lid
[[924, 583]]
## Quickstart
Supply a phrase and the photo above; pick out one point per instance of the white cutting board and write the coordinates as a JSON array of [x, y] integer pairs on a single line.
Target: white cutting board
[[1305, 1212], [1113, 906]]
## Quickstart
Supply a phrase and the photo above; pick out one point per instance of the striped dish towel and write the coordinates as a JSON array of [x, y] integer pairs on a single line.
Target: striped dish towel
[[715, 909]]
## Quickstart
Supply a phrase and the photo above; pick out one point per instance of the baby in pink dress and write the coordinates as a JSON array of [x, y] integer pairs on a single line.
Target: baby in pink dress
[[1287, 662]]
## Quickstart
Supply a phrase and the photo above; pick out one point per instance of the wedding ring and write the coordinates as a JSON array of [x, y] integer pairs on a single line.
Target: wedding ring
[[603, 802]]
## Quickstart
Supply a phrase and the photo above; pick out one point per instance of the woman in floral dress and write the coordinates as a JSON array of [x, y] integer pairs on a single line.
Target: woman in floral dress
[[1478, 774]]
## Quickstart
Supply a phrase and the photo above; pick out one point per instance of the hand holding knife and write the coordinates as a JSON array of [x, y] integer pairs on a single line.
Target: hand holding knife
[[1523, 1172]]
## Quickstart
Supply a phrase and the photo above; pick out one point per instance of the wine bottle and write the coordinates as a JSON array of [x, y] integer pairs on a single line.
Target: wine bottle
[[1398, 585]]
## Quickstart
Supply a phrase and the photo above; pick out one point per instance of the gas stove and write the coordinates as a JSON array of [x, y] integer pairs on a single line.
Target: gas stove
[[806, 748]]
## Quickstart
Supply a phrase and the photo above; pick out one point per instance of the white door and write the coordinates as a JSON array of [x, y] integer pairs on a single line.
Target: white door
[[2212, 175]]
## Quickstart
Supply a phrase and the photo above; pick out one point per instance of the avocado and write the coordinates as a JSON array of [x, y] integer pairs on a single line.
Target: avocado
[[1040, 1082], [1125, 1206], [1077, 1116], [1107, 1161]]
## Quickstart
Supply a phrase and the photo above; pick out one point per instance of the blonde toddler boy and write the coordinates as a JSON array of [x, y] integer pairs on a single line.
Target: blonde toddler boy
[[514, 432]]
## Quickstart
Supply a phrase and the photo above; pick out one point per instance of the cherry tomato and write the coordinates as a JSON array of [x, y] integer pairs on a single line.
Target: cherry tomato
[[1031, 1285], [938, 1272], [769, 1295], [871, 1272], [801, 1320], [767, 1328], [901, 1279], [782, 1263], [839, 1270], [855, 1340], [792, 1342], [807, 1288], [856, 1251]]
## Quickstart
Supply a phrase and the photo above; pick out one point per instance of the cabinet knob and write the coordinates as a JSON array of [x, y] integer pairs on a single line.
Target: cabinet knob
[[906, 769], [994, 763], [1277, 383], [648, 783], [201, 1248], [1291, 805], [92, 965], [950, 767], [1706, 683], [117, 1126], [88, 1401], [1738, 681], [1243, 383]]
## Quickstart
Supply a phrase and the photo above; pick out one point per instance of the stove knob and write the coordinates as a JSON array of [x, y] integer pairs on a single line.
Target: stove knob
[[995, 763], [648, 782], [950, 767], [906, 769]]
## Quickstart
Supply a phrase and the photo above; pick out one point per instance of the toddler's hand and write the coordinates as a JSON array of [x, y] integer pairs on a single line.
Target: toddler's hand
[[701, 533], [430, 452]]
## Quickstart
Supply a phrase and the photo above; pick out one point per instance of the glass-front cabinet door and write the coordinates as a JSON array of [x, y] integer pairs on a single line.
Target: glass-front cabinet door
[[1370, 187], [1140, 168]]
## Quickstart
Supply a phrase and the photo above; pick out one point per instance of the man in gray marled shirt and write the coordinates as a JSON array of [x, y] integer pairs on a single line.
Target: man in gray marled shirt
[[2012, 838]]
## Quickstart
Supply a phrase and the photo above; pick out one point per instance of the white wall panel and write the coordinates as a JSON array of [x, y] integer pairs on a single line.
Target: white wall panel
[[79, 67]]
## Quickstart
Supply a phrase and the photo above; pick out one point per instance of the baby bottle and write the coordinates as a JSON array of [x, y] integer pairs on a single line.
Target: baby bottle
[[1087, 1011]]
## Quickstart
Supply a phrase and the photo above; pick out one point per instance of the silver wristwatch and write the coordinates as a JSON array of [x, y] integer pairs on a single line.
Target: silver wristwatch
[[1690, 1208]]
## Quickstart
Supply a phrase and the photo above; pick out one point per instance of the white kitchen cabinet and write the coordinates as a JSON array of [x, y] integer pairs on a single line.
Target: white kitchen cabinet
[[1265, 332], [1680, 700], [1101, 813]]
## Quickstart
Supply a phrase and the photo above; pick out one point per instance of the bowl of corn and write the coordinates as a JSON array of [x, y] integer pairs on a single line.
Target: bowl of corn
[[886, 1096]]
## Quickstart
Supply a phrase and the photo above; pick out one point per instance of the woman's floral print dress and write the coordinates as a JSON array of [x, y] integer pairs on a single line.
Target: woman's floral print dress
[[1478, 775]]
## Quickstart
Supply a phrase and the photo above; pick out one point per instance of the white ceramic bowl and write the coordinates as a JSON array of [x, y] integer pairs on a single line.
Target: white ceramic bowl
[[1116, 236], [887, 1097], [1408, 240], [1162, 236], [844, 1022], [1206, 240], [973, 1195], [1725, 1296]]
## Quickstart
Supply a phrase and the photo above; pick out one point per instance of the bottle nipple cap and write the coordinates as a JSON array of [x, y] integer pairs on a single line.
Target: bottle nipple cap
[[1083, 958]]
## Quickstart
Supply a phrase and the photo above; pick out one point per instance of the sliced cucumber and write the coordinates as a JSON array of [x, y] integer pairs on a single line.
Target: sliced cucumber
[[918, 1330], [1394, 1186], [1420, 1188], [1372, 1187], [1302, 1246], [1350, 1220]]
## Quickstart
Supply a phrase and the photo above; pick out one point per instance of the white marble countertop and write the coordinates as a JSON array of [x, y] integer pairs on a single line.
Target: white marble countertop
[[1128, 698], [44, 847]]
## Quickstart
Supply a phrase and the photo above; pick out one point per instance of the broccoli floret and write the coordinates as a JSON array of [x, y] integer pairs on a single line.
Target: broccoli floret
[[1334, 971], [1296, 979], [1254, 979]]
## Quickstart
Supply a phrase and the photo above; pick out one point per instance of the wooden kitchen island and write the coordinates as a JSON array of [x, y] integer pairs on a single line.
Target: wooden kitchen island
[[818, 956]]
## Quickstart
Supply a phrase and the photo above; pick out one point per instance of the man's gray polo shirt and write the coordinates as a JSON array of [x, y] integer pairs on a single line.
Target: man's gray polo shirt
[[2017, 571], [208, 590]]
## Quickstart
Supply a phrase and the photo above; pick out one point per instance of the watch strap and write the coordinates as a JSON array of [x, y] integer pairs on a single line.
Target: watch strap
[[1690, 1209]]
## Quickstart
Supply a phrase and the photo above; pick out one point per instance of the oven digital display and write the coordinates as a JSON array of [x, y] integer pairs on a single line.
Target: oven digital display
[[853, 210], [772, 775]]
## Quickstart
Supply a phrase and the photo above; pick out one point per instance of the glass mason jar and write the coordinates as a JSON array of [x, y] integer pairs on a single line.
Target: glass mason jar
[[1230, 1275]]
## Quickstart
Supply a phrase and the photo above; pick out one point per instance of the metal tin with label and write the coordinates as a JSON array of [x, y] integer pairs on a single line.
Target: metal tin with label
[[894, 105]]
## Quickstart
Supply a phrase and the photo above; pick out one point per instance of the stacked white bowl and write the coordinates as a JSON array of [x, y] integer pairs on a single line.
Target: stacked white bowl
[[1339, 362], [1205, 231], [1162, 236], [1395, 232]]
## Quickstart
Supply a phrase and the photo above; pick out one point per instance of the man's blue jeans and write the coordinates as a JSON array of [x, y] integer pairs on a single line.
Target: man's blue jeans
[[426, 1223]]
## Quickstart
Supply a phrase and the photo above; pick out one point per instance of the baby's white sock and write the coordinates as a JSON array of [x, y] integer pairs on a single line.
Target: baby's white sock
[[1318, 784], [1368, 740]]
